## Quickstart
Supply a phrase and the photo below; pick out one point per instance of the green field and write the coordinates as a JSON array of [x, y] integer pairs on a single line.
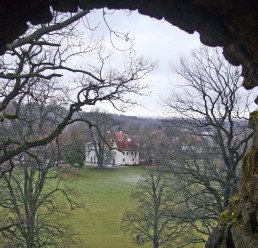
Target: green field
[[105, 195]]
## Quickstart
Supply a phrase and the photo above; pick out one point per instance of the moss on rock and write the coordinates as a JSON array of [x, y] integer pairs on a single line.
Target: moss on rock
[[229, 216], [249, 168], [253, 115]]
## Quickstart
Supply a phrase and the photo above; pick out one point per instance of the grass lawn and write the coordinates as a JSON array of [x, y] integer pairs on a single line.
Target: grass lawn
[[105, 195]]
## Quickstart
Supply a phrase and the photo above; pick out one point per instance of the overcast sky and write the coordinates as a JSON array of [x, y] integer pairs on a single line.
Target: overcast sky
[[157, 40]]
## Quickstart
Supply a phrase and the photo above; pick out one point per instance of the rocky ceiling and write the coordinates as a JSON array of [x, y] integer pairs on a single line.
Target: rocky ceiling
[[232, 24]]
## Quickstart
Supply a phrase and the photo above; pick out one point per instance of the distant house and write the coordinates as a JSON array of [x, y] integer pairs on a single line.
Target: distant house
[[126, 150], [193, 142]]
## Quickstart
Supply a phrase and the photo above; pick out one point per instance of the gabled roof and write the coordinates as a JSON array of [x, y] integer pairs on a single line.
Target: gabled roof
[[193, 139], [124, 141]]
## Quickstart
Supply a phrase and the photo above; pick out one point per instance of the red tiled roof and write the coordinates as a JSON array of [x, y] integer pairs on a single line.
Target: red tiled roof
[[193, 139], [124, 142]]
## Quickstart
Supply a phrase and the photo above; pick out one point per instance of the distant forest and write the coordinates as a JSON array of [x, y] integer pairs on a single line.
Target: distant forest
[[135, 125]]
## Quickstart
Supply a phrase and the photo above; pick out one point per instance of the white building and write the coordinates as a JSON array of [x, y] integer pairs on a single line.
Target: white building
[[125, 152]]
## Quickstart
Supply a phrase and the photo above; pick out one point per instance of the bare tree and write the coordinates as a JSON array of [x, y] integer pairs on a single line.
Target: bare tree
[[209, 139], [154, 146], [98, 137], [214, 107], [31, 215], [151, 220], [199, 177], [42, 91], [45, 57]]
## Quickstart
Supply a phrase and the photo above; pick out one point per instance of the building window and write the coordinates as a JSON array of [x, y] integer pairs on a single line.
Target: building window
[[133, 159], [127, 153], [123, 159], [123, 153]]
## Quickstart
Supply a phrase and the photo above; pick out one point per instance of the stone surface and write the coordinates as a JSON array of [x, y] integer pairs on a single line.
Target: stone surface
[[228, 23], [217, 238], [249, 213], [241, 231], [253, 124], [244, 239], [253, 189]]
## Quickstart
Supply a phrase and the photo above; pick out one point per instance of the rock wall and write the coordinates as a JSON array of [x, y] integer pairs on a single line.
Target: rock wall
[[238, 225], [232, 24]]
